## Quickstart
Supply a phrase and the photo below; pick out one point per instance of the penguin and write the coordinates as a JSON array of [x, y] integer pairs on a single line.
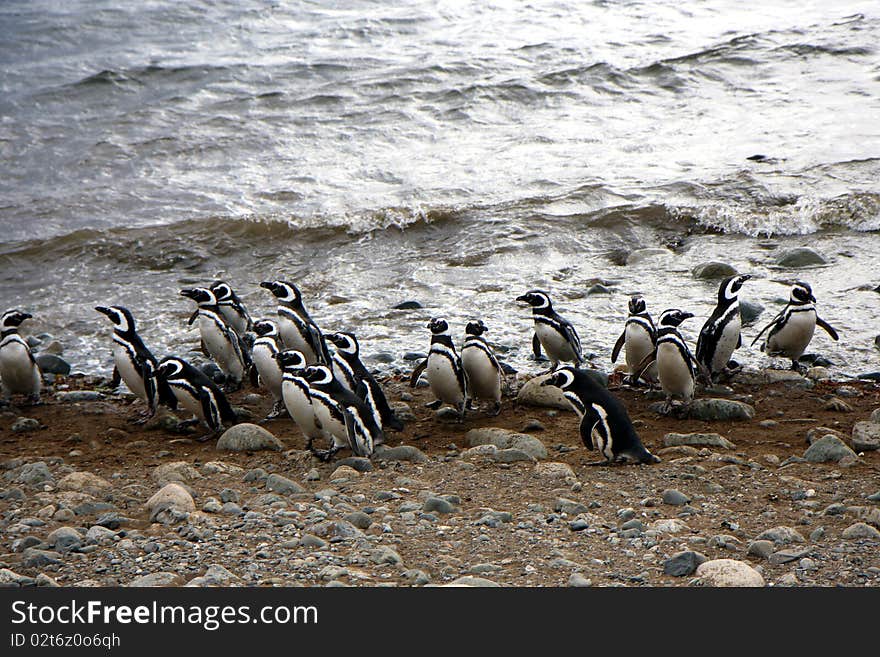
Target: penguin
[[19, 372], [231, 307], [481, 368], [221, 341], [605, 424], [346, 359], [196, 393], [720, 335], [675, 362], [296, 395], [298, 330], [443, 370], [639, 338], [263, 352], [349, 420], [792, 329], [554, 333], [134, 363]]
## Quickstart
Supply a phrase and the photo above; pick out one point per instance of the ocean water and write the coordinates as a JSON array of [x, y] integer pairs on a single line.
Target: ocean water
[[452, 153]]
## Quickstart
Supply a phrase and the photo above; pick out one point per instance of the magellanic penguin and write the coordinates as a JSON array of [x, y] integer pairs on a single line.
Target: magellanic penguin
[[605, 424], [231, 307], [221, 341], [480, 366], [639, 338], [296, 395], [720, 335], [19, 373], [347, 366], [675, 362], [351, 421], [265, 348], [196, 393], [554, 333], [792, 329], [298, 330], [134, 363], [443, 370]]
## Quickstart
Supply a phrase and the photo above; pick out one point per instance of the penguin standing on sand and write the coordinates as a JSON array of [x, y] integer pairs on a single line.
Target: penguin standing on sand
[[443, 370], [351, 421], [605, 425], [639, 338], [792, 329], [19, 373], [552, 331], [720, 335], [298, 330], [196, 393], [296, 396], [350, 371], [134, 363], [266, 347], [220, 340], [675, 362], [480, 366]]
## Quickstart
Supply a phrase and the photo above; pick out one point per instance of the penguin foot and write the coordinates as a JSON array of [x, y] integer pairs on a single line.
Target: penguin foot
[[496, 409], [278, 410], [434, 405], [208, 436], [324, 455], [186, 424]]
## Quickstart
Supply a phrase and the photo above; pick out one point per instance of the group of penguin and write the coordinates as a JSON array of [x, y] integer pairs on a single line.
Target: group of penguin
[[331, 395]]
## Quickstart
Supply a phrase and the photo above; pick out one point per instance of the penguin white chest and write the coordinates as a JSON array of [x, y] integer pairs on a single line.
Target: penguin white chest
[[17, 373], [299, 406], [218, 344], [443, 379], [554, 342], [727, 342], [190, 403], [638, 345], [674, 372], [792, 339], [128, 371], [484, 379], [267, 367], [329, 423], [292, 337]]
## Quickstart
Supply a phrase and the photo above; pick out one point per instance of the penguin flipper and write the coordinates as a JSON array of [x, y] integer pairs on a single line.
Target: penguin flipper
[[316, 341], [115, 379], [772, 323], [193, 317], [536, 347], [149, 377], [209, 410], [575, 342], [618, 346], [360, 442], [588, 423], [828, 328], [417, 372], [646, 362]]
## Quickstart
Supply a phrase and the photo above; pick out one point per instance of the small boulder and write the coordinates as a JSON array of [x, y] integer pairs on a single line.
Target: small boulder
[[728, 572], [713, 270], [506, 439], [84, 482], [248, 438], [697, 440], [828, 448], [866, 436], [802, 256]]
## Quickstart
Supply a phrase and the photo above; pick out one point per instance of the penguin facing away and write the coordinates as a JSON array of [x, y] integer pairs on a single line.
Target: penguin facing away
[[221, 341], [196, 393], [19, 373], [555, 334], [675, 362], [481, 368], [792, 329], [443, 370], [134, 363], [605, 425], [298, 330], [721, 334], [638, 339]]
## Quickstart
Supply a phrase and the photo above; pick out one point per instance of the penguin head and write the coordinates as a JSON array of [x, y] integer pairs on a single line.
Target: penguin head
[[284, 291], [673, 317], [222, 291], [563, 378], [345, 342], [121, 317], [802, 293], [637, 305], [475, 327], [537, 299], [169, 367], [265, 327], [318, 374], [438, 325], [13, 319], [201, 295], [290, 359], [730, 286]]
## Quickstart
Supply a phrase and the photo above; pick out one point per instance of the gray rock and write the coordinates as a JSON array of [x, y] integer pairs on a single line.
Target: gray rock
[[35, 558], [762, 549], [248, 438], [309, 540], [749, 311], [875, 497], [416, 577], [827, 448], [712, 409], [641, 255], [866, 436], [385, 554], [713, 270], [534, 394], [170, 496], [510, 456], [10, 579], [683, 564], [24, 425], [52, 364], [156, 579], [439, 505], [674, 497], [73, 396], [43, 579], [359, 519], [35, 473], [570, 507], [403, 411], [861, 530], [728, 572], [98, 534], [802, 256], [506, 439], [282, 485], [400, 453], [216, 575], [359, 463], [65, 539], [469, 580], [336, 530], [179, 471], [85, 482], [697, 440], [787, 556], [257, 474], [781, 535], [576, 580]]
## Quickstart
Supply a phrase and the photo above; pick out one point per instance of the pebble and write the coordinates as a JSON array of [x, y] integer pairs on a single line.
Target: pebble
[[506, 439], [98, 534], [169, 496], [787, 556], [179, 471], [576, 580], [569, 507], [358, 463], [439, 505], [400, 453], [248, 438], [344, 472], [866, 436], [282, 485], [697, 440], [762, 549], [781, 535], [682, 564], [216, 575], [674, 497], [861, 530], [554, 470], [728, 572], [24, 425]]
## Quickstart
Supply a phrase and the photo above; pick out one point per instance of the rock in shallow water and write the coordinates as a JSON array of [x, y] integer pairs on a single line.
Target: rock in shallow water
[[802, 256], [713, 270]]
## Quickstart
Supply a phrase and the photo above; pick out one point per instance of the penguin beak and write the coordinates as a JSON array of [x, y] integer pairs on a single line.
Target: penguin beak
[[812, 298], [523, 298], [685, 316], [189, 294], [268, 285], [103, 310], [25, 316]]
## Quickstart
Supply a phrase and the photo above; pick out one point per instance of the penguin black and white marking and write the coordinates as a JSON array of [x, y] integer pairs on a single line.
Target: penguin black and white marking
[[351, 421], [720, 335], [232, 308], [605, 424], [675, 362], [347, 358], [133, 362], [221, 341], [556, 334], [298, 330], [792, 329], [196, 393], [480, 366], [296, 395], [639, 338], [443, 370], [19, 373], [263, 353]]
